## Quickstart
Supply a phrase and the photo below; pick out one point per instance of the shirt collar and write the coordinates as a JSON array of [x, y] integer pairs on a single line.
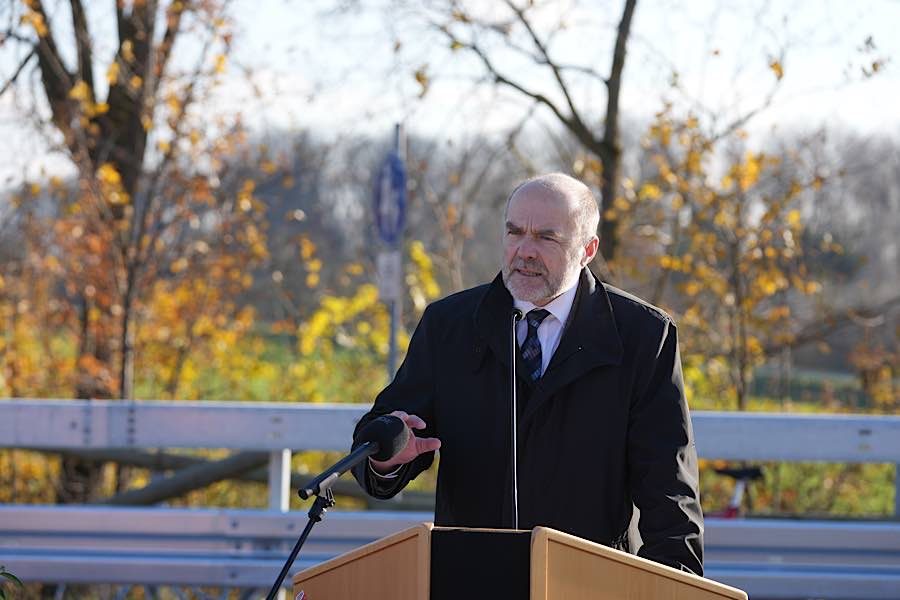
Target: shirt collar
[[559, 307]]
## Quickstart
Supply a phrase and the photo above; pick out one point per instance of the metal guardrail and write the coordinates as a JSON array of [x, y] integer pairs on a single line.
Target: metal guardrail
[[277, 428], [245, 549], [87, 424], [196, 547], [783, 558], [769, 558]]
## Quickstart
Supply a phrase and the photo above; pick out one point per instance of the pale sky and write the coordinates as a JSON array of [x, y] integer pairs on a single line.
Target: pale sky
[[720, 49], [339, 74]]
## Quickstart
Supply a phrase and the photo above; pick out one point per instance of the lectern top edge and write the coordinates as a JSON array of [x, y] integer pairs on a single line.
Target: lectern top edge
[[543, 536], [422, 530]]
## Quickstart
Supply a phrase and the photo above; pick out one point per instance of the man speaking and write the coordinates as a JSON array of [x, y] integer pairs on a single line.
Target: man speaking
[[603, 424]]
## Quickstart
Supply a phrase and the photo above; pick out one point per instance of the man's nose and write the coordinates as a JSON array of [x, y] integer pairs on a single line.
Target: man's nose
[[527, 247]]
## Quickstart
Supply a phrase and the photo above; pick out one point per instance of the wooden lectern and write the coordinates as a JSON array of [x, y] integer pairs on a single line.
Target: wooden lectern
[[440, 563]]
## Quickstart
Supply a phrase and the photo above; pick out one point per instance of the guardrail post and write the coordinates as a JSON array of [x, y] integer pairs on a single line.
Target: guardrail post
[[279, 480], [897, 490], [280, 489]]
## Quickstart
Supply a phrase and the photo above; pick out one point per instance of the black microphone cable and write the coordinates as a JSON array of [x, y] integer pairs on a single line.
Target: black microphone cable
[[513, 417]]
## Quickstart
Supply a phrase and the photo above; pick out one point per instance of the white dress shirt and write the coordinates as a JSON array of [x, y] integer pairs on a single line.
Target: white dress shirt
[[551, 328]]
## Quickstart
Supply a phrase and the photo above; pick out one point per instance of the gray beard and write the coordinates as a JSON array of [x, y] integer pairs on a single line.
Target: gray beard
[[550, 288], [546, 291]]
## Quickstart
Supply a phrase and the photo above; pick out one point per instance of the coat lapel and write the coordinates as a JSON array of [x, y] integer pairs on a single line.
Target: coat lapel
[[490, 315], [493, 325], [590, 340]]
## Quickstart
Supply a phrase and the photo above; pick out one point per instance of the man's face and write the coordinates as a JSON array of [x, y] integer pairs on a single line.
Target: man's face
[[542, 249]]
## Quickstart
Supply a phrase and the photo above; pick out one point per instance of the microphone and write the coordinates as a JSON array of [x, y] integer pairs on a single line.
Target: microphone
[[382, 439], [387, 434], [513, 417]]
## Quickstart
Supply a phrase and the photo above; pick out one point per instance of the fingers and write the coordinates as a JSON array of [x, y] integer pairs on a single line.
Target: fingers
[[412, 421], [427, 445], [416, 445], [414, 448], [415, 422]]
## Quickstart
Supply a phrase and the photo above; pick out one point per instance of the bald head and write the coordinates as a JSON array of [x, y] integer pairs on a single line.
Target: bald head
[[550, 235], [570, 190]]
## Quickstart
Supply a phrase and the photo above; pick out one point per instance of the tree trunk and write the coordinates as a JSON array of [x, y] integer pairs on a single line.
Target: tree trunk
[[79, 480], [126, 365], [612, 152], [739, 330], [126, 341]]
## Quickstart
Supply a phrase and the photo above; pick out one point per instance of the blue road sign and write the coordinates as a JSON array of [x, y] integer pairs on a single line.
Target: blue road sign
[[390, 199]]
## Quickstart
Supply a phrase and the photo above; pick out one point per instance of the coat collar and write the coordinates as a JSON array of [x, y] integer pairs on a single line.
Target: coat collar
[[590, 338]]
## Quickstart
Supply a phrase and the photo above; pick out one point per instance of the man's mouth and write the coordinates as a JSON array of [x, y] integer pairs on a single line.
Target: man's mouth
[[528, 273]]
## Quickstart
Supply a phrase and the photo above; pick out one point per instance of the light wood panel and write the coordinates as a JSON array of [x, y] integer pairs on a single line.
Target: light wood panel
[[393, 568], [565, 567]]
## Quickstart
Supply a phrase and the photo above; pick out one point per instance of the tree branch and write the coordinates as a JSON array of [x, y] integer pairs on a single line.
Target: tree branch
[[56, 78], [520, 15], [140, 223], [164, 50], [83, 44], [511, 141], [831, 323], [122, 23], [18, 71], [502, 79], [12, 35], [161, 461], [745, 118], [191, 478], [614, 83]]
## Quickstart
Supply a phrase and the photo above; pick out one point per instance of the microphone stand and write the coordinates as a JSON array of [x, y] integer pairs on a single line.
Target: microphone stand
[[322, 504], [513, 417], [320, 487]]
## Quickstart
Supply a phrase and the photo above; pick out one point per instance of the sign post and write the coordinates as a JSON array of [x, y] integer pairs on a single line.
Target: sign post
[[390, 218]]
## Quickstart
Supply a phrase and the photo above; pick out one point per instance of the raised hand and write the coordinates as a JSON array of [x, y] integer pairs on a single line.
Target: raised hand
[[414, 447]]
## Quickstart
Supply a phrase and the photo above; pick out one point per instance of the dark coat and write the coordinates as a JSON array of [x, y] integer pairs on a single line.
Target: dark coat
[[606, 427]]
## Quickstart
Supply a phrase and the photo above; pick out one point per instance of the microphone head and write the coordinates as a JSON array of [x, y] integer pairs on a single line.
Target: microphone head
[[517, 315], [389, 432]]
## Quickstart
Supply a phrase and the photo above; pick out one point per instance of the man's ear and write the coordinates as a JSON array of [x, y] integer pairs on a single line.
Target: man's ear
[[590, 250]]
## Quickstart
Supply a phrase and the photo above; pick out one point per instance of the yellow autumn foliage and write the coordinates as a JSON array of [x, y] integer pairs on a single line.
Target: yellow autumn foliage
[[740, 236]]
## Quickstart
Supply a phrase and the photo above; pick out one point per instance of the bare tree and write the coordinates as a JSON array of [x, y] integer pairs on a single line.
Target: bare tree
[[517, 31], [158, 196]]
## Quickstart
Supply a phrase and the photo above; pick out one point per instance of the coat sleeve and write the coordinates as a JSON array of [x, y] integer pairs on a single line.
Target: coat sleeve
[[410, 391], [662, 464]]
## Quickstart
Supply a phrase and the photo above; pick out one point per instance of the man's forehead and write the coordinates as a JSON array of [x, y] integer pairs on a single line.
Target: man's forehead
[[536, 201]]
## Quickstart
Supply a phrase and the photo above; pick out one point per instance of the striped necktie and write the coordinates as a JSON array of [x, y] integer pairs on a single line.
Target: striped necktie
[[531, 347]]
